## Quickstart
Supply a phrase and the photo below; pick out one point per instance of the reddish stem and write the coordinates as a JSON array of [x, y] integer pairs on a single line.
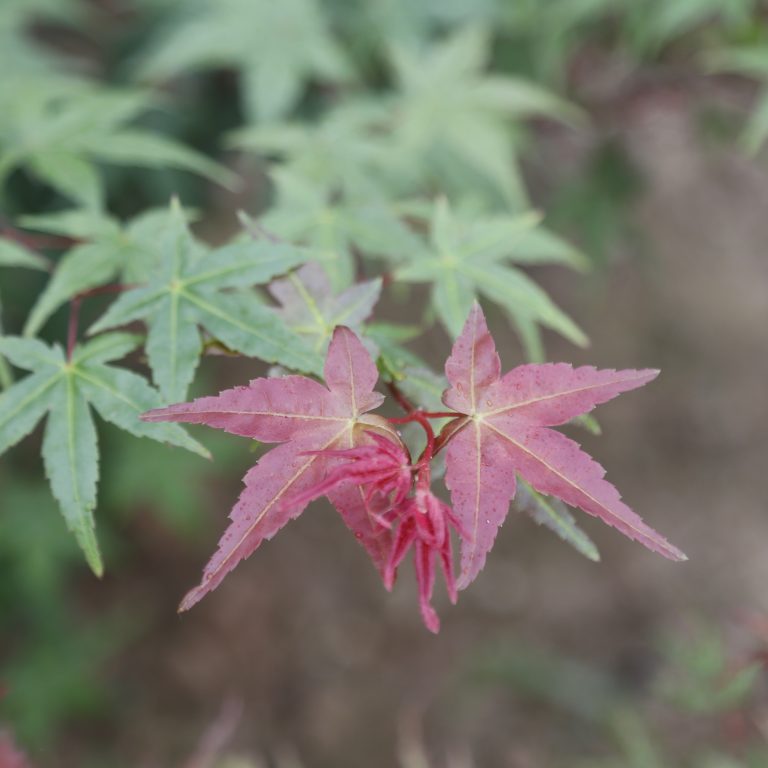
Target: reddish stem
[[429, 448], [74, 317], [417, 414], [74, 310], [400, 399], [448, 431], [37, 242]]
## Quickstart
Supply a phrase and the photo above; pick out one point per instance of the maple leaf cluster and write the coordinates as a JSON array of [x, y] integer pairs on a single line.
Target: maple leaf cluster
[[332, 445]]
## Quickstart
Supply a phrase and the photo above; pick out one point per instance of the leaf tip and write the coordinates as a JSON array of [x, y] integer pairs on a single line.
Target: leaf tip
[[680, 556], [190, 599], [95, 563]]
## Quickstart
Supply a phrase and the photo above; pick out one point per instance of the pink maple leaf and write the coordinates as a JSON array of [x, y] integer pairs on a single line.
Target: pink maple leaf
[[312, 422], [506, 432], [424, 522]]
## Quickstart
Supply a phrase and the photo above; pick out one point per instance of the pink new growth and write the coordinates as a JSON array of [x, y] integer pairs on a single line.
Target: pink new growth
[[382, 468], [424, 522]]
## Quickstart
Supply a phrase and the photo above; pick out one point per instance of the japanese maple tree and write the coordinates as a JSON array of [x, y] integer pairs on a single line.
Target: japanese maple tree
[[499, 427]]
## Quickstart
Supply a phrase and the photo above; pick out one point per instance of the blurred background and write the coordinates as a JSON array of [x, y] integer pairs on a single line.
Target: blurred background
[[301, 658]]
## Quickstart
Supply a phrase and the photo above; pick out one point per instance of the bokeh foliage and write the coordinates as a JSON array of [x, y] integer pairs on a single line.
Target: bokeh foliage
[[392, 137]]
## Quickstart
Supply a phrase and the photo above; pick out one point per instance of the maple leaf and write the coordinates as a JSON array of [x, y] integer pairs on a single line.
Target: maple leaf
[[339, 151], [311, 421], [190, 288], [62, 132], [66, 390], [250, 35], [105, 250], [311, 309], [451, 119], [506, 432], [470, 254], [314, 214]]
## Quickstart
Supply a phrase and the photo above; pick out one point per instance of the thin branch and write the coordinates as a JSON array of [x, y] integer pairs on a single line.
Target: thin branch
[[74, 319], [36, 242], [74, 310], [400, 398], [448, 431]]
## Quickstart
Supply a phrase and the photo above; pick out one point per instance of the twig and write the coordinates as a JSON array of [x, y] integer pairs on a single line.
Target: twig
[[400, 398], [74, 310], [74, 318], [37, 242]]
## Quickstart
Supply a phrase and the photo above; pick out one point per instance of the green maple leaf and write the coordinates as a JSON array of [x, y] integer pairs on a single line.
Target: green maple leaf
[[66, 391], [190, 288], [470, 255], [451, 121], [277, 46], [553, 514], [60, 130], [310, 308], [308, 213], [106, 251], [338, 152]]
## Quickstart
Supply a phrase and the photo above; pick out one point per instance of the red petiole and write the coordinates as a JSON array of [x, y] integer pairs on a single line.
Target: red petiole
[[74, 311], [421, 417]]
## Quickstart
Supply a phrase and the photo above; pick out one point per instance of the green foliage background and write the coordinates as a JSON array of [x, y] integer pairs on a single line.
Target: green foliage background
[[194, 152]]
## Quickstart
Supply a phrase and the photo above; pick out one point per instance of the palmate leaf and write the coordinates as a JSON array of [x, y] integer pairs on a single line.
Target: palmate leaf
[[339, 152], [60, 134], [471, 255], [66, 390], [310, 213], [506, 431], [190, 289], [310, 308], [308, 419], [449, 115], [250, 35], [106, 250]]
